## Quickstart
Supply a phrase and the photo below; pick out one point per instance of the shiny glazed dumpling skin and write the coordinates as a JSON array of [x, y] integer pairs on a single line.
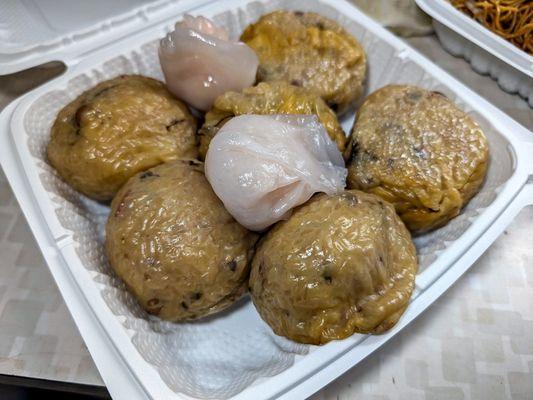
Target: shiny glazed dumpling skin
[[417, 150], [339, 265], [266, 99], [175, 246], [200, 62], [262, 166], [116, 129], [309, 50]]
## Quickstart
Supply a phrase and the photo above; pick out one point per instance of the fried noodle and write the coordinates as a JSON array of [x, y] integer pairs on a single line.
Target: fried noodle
[[510, 19]]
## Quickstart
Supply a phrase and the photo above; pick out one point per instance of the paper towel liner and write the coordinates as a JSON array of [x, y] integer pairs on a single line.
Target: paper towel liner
[[221, 355]]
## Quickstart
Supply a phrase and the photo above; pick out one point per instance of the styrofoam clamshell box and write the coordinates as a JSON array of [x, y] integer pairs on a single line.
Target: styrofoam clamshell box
[[232, 354], [487, 52]]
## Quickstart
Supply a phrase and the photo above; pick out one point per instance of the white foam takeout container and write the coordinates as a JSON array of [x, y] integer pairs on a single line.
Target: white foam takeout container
[[487, 52], [233, 354]]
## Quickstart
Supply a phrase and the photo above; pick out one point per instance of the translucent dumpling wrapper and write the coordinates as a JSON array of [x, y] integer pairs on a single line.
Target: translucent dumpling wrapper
[[200, 62], [262, 166]]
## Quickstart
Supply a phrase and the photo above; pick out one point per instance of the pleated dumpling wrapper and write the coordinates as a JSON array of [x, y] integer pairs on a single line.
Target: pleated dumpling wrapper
[[200, 62], [262, 166]]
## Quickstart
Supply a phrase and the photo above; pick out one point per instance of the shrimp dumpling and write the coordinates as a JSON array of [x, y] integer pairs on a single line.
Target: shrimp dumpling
[[200, 62], [262, 166]]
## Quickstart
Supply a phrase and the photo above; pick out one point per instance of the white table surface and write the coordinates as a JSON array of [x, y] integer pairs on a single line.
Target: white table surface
[[476, 342]]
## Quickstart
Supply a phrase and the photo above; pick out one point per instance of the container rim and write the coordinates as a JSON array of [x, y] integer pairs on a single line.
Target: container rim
[[333, 360], [446, 14]]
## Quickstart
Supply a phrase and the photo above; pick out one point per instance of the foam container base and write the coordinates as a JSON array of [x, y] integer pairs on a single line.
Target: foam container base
[[234, 354]]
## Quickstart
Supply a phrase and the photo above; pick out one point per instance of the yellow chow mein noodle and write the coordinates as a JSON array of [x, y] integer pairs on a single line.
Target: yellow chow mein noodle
[[511, 19]]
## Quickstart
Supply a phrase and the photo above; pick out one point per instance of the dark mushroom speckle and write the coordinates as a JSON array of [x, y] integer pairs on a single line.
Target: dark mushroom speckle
[[147, 174], [153, 302], [196, 296], [232, 265], [174, 122], [414, 96], [437, 93]]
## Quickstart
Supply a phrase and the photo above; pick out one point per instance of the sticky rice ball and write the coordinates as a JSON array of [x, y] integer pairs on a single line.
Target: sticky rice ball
[[269, 98], [175, 246], [116, 129], [339, 265], [417, 150], [309, 50]]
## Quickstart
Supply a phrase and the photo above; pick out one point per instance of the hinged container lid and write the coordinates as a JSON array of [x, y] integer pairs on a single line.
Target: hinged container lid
[[33, 32]]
